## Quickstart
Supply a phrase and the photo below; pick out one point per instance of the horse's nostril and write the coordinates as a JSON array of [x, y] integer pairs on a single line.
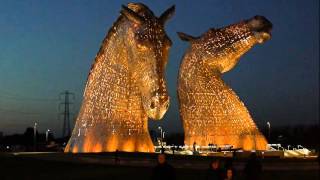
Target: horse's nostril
[[152, 105], [167, 105]]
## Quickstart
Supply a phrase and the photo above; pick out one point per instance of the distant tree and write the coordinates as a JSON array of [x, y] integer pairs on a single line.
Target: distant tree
[[28, 136]]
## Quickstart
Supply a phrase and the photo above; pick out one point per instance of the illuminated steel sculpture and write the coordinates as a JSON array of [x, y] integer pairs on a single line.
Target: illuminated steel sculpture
[[126, 85], [211, 112]]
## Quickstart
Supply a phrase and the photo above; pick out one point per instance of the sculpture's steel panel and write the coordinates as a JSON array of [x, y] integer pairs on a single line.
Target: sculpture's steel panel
[[125, 86], [211, 112]]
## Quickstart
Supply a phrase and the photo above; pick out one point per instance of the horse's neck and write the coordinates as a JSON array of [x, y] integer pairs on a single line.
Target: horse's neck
[[195, 74], [109, 87]]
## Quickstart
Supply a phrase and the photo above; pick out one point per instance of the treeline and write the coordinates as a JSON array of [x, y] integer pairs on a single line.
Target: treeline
[[305, 135], [29, 141]]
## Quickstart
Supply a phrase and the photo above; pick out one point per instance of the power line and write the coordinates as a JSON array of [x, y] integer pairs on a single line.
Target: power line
[[22, 112], [20, 98]]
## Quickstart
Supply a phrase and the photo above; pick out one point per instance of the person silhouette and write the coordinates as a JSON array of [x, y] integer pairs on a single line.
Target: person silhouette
[[116, 157], [173, 149], [194, 148], [214, 172], [163, 170], [229, 171]]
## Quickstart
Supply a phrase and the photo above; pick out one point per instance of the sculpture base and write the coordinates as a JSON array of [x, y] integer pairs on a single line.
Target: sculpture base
[[137, 143]]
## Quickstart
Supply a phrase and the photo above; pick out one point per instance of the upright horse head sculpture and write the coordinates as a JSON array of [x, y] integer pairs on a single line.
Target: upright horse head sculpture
[[210, 111], [126, 85]]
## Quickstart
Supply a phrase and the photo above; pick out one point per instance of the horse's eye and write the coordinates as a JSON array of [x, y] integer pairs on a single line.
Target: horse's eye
[[152, 105], [142, 47]]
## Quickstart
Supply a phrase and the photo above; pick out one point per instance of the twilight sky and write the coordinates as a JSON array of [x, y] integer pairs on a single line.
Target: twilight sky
[[47, 47]]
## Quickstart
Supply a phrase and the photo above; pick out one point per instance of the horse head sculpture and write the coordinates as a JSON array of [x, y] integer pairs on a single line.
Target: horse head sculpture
[[126, 85], [211, 112]]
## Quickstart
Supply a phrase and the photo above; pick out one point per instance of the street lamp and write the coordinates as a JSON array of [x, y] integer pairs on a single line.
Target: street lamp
[[160, 128], [47, 135], [35, 136], [269, 126]]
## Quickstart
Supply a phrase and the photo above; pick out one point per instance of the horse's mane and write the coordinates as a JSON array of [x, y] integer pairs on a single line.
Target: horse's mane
[[139, 8]]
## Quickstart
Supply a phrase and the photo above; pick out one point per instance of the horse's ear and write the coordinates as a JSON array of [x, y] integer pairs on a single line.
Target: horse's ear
[[186, 37], [167, 14], [131, 15]]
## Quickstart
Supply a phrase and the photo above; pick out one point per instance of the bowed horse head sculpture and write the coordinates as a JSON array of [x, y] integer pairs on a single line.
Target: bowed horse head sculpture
[[126, 85]]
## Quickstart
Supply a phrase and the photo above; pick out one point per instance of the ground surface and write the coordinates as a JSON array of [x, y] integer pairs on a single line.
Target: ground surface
[[136, 166]]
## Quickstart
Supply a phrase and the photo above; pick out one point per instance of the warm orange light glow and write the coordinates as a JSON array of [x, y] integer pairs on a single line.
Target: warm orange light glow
[[129, 146], [112, 143], [97, 148], [74, 150], [87, 144]]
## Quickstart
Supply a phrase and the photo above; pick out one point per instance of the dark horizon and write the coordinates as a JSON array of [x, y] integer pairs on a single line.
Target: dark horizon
[[48, 47]]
